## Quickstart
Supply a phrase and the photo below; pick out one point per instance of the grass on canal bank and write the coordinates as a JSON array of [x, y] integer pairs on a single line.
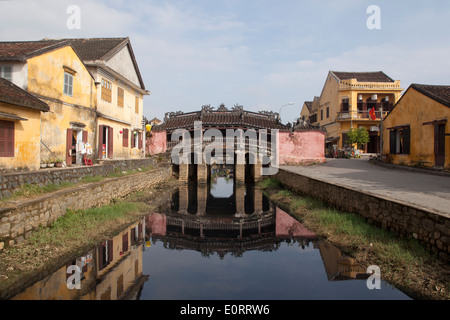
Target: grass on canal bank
[[72, 235], [403, 261]]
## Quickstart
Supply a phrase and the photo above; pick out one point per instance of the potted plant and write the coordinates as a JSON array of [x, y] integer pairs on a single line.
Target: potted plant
[[43, 165], [58, 163], [50, 164]]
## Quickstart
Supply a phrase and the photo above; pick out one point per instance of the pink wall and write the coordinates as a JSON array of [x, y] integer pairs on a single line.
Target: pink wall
[[157, 223], [157, 143], [302, 147], [286, 226]]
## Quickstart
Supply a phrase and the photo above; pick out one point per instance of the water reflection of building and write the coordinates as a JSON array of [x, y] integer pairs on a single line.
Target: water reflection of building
[[244, 221], [339, 266], [111, 270]]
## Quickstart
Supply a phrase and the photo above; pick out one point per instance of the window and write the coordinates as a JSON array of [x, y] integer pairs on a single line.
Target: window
[[6, 138], [328, 112], [321, 115], [136, 105], [106, 90], [120, 96], [399, 141], [6, 73], [68, 84], [345, 105]]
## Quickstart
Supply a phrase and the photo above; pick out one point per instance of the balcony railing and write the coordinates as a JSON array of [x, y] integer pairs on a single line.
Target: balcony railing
[[249, 143], [360, 115], [369, 86]]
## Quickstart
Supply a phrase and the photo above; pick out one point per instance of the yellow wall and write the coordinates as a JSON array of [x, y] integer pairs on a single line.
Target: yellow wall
[[414, 109], [46, 79], [26, 139]]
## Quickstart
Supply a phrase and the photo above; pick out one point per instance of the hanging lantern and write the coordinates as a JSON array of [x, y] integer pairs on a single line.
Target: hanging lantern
[[148, 127], [120, 131]]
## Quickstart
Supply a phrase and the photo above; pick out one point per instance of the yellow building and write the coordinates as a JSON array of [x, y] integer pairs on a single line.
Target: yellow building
[[417, 131], [20, 122], [120, 96], [53, 72], [95, 92], [346, 101]]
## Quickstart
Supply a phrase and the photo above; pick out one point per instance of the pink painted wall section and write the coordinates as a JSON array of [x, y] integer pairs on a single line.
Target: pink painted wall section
[[157, 143], [157, 223], [302, 147], [286, 226]]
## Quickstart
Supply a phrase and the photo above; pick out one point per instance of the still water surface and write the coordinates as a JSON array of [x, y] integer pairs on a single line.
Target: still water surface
[[213, 242]]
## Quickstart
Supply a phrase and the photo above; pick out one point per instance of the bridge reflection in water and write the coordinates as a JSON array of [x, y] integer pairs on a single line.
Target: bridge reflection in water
[[218, 219]]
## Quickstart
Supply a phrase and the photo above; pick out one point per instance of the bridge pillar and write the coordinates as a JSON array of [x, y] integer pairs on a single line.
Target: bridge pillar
[[183, 173], [239, 194], [183, 199], [257, 173], [258, 201], [239, 174], [202, 173], [202, 197]]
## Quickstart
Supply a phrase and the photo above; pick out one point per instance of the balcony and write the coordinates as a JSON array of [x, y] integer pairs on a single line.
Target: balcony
[[360, 115], [369, 86]]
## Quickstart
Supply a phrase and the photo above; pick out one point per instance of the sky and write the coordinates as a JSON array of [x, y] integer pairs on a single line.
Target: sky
[[256, 53]]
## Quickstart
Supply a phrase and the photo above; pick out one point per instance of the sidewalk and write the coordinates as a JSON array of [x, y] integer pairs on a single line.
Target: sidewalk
[[421, 189]]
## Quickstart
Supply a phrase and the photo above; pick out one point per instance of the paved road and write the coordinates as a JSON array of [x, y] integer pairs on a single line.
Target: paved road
[[424, 190]]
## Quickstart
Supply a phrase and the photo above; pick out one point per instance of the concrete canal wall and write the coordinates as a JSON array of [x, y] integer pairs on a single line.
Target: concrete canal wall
[[405, 219], [19, 218]]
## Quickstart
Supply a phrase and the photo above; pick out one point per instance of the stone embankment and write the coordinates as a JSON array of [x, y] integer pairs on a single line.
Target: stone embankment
[[19, 218], [10, 182], [430, 227]]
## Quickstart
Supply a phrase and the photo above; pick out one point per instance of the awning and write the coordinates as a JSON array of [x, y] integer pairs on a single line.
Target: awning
[[329, 140], [399, 127], [435, 122], [11, 117]]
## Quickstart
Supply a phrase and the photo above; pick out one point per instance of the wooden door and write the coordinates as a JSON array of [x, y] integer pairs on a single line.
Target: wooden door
[[110, 146], [100, 141], [439, 144], [69, 147]]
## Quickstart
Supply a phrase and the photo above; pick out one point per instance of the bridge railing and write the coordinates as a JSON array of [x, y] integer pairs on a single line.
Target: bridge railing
[[225, 143]]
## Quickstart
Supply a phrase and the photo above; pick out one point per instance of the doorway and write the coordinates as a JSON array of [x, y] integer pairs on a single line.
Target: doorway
[[105, 142], [439, 145]]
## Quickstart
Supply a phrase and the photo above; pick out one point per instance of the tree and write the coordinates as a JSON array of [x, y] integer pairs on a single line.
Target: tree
[[358, 136]]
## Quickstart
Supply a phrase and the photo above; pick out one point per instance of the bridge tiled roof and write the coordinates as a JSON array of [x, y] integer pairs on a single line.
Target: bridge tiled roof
[[222, 117]]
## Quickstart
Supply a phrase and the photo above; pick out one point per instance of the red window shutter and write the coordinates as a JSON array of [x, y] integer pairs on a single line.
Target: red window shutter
[[85, 136], [140, 231], [100, 141], [133, 140], [69, 147], [140, 140], [110, 250], [100, 253], [110, 143], [125, 138], [125, 242], [6, 139]]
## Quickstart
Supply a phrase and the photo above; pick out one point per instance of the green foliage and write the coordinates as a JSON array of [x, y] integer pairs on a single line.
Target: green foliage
[[270, 183], [358, 136]]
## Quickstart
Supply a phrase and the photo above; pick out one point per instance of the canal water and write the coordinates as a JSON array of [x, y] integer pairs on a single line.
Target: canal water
[[213, 242]]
